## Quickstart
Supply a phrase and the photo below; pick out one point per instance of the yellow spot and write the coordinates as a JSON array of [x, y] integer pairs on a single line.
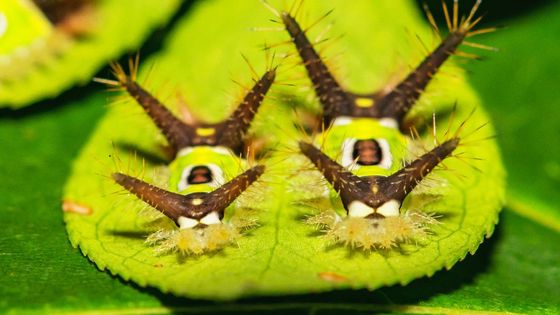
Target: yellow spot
[[364, 102], [196, 202], [204, 132], [374, 189]]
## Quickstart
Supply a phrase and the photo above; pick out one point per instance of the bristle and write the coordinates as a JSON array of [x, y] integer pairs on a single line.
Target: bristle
[[398, 185], [372, 234], [334, 99], [178, 133], [230, 133], [398, 102], [170, 204], [342, 180], [222, 197], [202, 240]]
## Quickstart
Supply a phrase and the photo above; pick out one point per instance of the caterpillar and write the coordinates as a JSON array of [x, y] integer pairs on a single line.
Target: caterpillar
[[205, 154], [366, 138], [32, 31], [47, 46]]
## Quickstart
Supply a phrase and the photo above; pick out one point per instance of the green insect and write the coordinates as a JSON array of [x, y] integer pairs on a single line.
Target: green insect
[[31, 31], [206, 156], [366, 144]]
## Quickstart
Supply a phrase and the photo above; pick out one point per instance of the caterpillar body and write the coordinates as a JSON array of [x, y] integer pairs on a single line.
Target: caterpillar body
[[206, 155], [363, 150], [32, 31]]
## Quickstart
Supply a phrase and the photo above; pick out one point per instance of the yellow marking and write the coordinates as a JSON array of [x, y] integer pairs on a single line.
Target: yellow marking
[[364, 102], [196, 201], [204, 132], [374, 189]]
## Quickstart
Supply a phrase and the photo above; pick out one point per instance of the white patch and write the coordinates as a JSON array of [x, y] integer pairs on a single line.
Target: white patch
[[342, 121], [222, 150], [217, 176], [348, 161], [390, 208], [388, 122], [3, 24], [217, 149], [358, 209], [196, 202], [185, 151], [386, 156], [211, 218], [186, 223]]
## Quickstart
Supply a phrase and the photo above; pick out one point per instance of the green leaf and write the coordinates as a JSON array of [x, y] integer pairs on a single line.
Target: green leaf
[[523, 102], [282, 256], [78, 62]]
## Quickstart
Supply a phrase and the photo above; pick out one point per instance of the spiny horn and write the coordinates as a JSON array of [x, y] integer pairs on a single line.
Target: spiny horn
[[398, 185], [171, 204], [235, 127], [335, 101], [177, 133], [397, 103], [343, 181], [375, 191], [400, 100], [195, 205], [222, 197]]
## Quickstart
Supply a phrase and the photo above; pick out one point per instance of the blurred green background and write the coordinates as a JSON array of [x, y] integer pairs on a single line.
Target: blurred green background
[[517, 270]]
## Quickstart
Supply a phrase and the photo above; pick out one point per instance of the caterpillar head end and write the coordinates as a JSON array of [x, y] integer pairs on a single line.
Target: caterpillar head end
[[373, 203], [198, 216]]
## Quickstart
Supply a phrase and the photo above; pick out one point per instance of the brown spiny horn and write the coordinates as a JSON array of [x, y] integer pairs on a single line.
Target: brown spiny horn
[[177, 133], [232, 131], [219, 199], [399, 184], [195, 205], [397, 103], [171, 204], [343, 181], [334, 99]]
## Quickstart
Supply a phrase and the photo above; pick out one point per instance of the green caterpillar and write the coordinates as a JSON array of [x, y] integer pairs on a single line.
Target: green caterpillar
[[31, 31], [205, 156], [366, 140]]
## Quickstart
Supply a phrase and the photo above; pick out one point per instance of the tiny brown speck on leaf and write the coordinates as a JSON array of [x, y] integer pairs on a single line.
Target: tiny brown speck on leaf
[[71, 206], [332, 277]]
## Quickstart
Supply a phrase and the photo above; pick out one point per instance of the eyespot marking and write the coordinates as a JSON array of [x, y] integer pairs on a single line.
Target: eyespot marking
[[366, 152]]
